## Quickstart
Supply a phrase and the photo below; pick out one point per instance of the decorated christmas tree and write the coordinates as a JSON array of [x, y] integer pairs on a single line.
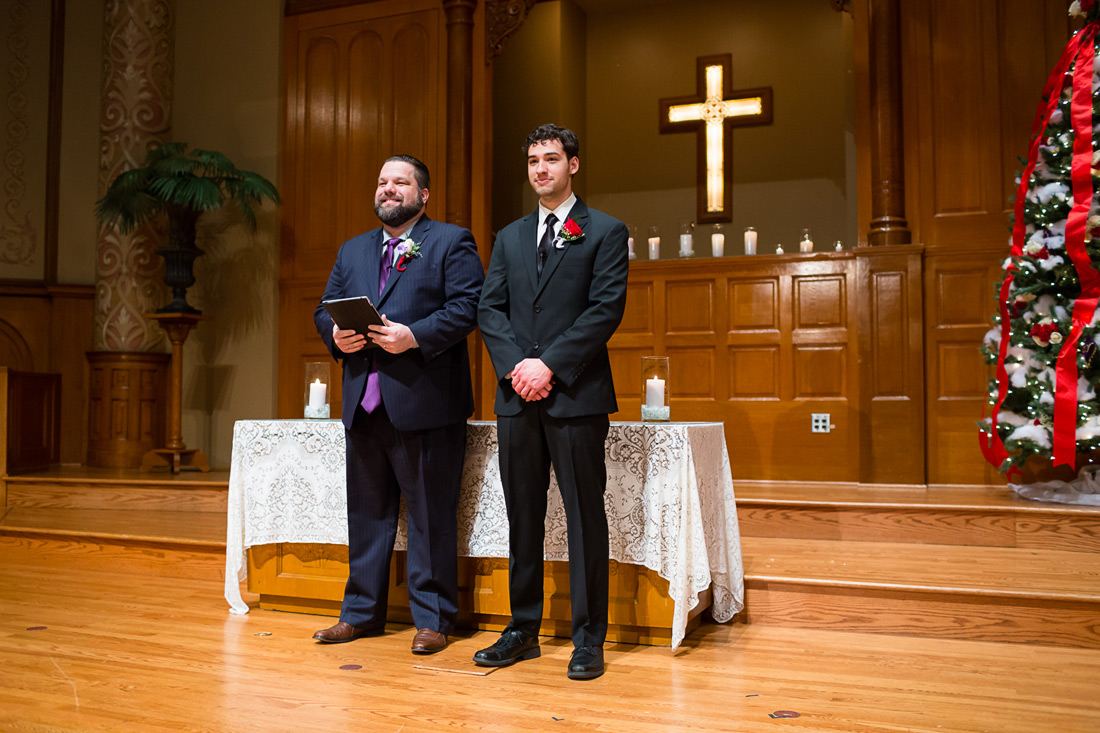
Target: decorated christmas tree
[[1046, 339]]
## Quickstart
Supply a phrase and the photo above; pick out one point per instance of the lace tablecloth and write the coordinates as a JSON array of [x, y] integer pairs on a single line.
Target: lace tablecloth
[[670, 503]]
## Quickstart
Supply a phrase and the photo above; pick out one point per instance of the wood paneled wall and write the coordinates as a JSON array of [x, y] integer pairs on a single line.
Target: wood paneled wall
[[892, 439], [885, 341], [760, 343], [972, 76], [47, 328], [30, 411]]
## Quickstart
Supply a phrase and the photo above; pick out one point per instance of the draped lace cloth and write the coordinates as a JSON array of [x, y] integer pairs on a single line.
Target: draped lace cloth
[[670, 503]]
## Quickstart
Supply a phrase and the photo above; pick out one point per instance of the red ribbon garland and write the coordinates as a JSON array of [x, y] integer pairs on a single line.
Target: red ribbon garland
[[1065, 394], [994, 449]]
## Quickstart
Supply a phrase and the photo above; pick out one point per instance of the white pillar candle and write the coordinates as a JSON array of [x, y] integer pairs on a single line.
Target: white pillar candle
[[630, 246], [805, 242], [686, 249], [317, 394], [750, 242], [779, 249], [654, 248], [718, 245], [655, 392]]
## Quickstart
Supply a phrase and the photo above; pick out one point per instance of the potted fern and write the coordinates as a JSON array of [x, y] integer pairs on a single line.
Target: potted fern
[[182, 185]]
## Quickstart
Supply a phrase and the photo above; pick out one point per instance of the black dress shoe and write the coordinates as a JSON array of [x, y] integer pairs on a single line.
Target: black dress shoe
[[586, 663], [511, 647]]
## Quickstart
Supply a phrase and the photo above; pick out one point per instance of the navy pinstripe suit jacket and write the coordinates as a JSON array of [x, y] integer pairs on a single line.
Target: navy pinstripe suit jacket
[[436, 297]]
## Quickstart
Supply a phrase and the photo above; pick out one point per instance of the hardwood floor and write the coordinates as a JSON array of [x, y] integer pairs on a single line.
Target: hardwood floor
[[869, 609], [125, 652]]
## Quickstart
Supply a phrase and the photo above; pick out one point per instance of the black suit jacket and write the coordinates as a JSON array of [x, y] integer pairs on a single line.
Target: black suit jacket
[[565, 318], [436, 297]]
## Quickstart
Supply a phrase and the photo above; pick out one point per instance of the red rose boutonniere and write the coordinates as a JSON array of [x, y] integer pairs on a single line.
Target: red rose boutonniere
[[570, 232], [405, 252]]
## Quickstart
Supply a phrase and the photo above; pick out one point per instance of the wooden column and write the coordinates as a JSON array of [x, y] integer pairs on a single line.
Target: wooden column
[[176, 455], [460, 72], [888, 224]]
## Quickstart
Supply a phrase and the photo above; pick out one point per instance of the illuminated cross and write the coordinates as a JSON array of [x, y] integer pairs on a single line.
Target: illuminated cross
[[713, 113]]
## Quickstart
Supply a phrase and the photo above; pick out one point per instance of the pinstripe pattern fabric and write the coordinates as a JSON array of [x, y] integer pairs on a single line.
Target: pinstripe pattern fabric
[[413, 444]]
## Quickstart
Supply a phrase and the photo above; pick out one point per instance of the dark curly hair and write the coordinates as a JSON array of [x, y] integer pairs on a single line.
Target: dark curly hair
[[550, 131]]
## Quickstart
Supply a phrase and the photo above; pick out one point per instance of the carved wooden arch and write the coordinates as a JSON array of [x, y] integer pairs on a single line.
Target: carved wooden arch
[[14, 351]]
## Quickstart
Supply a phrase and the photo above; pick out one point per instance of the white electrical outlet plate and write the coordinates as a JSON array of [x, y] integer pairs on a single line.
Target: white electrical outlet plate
[[820, 422]]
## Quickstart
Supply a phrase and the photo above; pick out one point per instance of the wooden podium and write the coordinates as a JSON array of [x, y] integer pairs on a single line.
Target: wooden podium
[[176, 455]]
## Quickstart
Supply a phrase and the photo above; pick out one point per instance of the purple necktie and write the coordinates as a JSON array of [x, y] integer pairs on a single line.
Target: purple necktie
[[372, 395]]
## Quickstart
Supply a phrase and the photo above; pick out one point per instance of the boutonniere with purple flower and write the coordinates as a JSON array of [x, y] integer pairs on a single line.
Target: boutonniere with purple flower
[[405, 252], [570, 232]]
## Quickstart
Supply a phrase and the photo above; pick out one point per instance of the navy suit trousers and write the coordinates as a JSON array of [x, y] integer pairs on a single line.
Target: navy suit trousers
[[424, 467]]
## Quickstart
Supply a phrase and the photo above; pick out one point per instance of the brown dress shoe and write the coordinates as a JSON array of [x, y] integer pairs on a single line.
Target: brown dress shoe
[[427, 641], [341, 633]]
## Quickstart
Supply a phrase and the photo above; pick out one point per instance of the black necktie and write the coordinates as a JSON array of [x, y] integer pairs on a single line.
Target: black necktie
[[545, 242]]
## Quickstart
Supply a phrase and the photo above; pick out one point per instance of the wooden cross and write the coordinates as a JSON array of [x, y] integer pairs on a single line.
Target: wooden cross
[[713, 113]]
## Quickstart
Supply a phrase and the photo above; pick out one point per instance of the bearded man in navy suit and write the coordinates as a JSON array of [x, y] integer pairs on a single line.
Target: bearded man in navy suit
[[406, 398], [554, 294]]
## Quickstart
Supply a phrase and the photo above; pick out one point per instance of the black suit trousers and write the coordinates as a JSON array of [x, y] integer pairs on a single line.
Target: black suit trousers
[[424, 467], [529, 443]]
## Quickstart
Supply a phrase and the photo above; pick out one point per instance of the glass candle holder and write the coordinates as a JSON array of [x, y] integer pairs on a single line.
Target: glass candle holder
[[632, 234], [654, 243], [318, 376], [687, 236], [750, 241], [806, 242], [655, 389], [718, 241]]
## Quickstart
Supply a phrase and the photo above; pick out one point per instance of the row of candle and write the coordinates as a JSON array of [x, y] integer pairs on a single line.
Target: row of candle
[[718, 242]]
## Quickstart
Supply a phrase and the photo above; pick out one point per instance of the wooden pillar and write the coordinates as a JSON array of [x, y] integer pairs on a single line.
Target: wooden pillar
[[888, 224], [460, 73], [889, 279]]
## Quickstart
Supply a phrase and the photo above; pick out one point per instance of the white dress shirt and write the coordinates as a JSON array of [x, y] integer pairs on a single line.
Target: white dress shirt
[[562, 213]]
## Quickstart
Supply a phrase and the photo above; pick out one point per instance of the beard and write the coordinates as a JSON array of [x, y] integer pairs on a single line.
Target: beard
[[399, 214]]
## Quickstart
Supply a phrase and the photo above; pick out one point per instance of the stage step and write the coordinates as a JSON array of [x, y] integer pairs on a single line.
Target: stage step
[[77, 487], [987, 516], [146, 542], [976, 564], [1002, 594]]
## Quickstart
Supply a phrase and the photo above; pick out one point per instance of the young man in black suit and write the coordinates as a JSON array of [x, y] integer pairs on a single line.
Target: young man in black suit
[[405, 403], [553, 296]]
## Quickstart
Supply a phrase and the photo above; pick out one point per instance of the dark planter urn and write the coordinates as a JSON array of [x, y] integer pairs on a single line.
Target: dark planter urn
[[179, 259]]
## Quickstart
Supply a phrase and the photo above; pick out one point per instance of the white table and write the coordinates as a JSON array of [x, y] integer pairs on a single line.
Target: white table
[[670, 503]]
